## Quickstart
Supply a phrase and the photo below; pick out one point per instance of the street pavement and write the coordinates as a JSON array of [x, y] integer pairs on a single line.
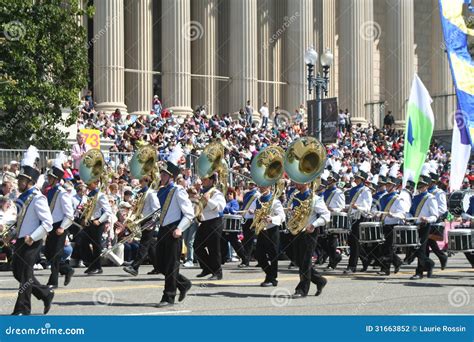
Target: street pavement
[[117, 293]]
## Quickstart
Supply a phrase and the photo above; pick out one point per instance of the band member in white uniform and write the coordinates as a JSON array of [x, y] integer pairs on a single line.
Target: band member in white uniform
[[207, 243], [305, 242], [268, 240], [95, 228], [248, 208], [151, 205], [360, 199], [34, 221], [335, 202], [60, 203], [425, 208], [177, 214], [392, 204]]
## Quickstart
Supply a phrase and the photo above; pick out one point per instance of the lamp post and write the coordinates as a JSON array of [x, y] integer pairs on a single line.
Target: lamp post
[[316, 81]]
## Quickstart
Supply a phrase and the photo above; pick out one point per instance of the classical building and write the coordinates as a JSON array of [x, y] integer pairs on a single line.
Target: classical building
[[221, 53]]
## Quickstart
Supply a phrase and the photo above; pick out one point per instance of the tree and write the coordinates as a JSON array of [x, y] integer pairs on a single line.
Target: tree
[[43, 68]]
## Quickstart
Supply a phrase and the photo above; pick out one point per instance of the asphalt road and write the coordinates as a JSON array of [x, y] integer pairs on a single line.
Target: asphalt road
[[116, 293]]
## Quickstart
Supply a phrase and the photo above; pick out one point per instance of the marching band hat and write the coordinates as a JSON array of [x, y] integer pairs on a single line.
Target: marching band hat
[[333, 177], [424, 180], [362, 175], [29, 172], [28, 165], [434, 177], [170, 169], [56, 172], [393, 181], [383, 180], [410, 184]]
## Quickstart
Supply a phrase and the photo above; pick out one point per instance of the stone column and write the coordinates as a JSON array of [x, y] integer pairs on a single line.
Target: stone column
[[108, 55], [264, 53], [277, 38], [400, 57], [204, 53], [300, 37], [444, 102], [243, 55], [325, 11], [139, 56], [357, 34], [176, 55]]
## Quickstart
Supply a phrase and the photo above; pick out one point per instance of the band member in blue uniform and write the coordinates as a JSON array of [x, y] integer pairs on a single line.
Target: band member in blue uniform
[[60, 203], [34, 221], [177, 214], [231, 208], [425, 208], [248, 208]]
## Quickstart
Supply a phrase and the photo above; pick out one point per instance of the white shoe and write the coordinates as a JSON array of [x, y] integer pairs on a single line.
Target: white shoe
[[81, 264], [37, 267], [234, 259], [188, 263]]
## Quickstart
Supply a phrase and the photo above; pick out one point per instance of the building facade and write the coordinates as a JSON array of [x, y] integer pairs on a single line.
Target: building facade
[[221, 53]]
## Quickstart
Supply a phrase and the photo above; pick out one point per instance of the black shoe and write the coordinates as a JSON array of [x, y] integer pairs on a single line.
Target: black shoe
[[183, 293], [153, 272], [68, 277], [131, 270], [429, 273], [164, 304], [291, 265], [320, 287], [52, 287], [127, 263], [203, 274], [47, 302], [217, 276], [297, 295], [417, 277], [87, 271], [19, 313], [269, 283], [444, 262], [397, 269], [364, 267], [96, 271], [349, 271], [243, 265], [383, 273]]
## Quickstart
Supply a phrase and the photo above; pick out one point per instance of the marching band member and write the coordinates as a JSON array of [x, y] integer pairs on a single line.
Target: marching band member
[[335, 202], [381, 191], [177, 214], [209, 233], [232, 207], [392, 204], [406, 194], [305, 242], [34, 221], [425, 209], [248, 207], [440, 196], [151, 205], [360, 204], [60, 203], [95, 228], [268, 240]]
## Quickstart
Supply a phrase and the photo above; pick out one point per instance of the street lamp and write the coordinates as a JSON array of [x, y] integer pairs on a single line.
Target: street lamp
[[316, 81]]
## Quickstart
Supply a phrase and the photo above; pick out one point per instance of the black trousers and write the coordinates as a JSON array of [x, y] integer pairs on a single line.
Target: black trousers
[[24, 258], [424, 262], [357, 250], [304, 245], [330, 245], [168, 251], [53, 251], [268, 243], [435, 249], [388, 255], [470, 258], [287, 246], [145, 241], [249, 240], [207, 245], [92, 236], [233, 238]]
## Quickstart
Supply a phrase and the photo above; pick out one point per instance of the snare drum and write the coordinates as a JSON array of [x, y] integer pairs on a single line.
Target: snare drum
[[339, 223], [437, 231], [458, 201], [370, 232], [232, 223], [461, 240], [342, 239], [405, 236]]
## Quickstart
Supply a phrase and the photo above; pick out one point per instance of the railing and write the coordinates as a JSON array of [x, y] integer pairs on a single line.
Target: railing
[[111, 158]]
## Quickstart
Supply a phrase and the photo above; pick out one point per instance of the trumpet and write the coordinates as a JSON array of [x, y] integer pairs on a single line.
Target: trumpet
[[8, 233]]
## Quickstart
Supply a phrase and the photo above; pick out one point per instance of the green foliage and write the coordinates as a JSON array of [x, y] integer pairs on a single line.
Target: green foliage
[[42, 70]]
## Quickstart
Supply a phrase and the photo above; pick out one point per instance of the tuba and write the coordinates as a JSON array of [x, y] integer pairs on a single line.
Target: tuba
[[267, 170], [304, 162], [91, 169], [212, 160]]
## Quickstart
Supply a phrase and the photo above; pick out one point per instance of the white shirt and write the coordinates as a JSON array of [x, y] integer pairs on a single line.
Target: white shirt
[[397, 212], [363, 202], [152, 203], [429, 209], [214, 206], [63, 209], [264, 111], [250, 213], [320, 214], [180, 208], [37, 222], [406, 200], [277, 214], [338, 201], [102, 210], [440, 196]]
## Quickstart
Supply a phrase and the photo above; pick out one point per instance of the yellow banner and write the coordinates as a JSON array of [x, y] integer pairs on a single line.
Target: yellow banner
[[91, 137]]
